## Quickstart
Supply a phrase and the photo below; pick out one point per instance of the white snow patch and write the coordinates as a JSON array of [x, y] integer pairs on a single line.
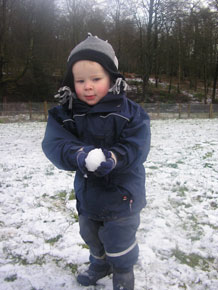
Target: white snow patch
[[178, 235]]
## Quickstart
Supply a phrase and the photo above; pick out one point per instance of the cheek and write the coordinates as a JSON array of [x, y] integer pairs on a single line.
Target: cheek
[[78, 89], [103, 89]]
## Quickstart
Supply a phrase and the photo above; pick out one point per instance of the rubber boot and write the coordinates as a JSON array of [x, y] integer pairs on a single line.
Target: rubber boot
[[123, 280], [93, 274]]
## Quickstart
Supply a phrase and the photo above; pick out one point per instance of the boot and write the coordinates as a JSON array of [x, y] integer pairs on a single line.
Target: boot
[[93, 274], [123, 280]]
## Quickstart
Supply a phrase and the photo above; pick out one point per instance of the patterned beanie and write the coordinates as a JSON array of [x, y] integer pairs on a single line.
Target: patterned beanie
[[93, 49]]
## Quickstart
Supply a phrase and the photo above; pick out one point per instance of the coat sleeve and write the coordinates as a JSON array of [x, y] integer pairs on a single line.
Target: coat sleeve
[[134, 143], [60, 146]]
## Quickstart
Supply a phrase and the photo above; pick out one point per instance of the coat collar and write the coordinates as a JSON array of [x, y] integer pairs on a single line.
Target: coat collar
[[110, 103]]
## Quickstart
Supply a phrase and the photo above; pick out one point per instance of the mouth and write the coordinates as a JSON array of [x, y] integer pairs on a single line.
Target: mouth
[[90, 97]]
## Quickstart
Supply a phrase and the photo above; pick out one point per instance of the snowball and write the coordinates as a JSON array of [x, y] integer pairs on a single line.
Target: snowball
[[94, 159]]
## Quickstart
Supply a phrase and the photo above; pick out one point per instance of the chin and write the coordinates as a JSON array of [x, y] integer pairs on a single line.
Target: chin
[[91, 102]]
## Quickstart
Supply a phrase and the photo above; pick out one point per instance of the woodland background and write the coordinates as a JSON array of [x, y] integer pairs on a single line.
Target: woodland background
[[174, 42]]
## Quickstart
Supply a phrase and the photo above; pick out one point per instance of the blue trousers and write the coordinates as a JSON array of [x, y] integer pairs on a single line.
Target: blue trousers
[[111, 242]]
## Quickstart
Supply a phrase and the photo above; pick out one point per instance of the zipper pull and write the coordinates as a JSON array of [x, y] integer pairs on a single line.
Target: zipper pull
[[130, 204]]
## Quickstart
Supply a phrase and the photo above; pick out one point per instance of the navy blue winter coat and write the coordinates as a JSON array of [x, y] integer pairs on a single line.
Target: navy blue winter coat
[[117, 124]]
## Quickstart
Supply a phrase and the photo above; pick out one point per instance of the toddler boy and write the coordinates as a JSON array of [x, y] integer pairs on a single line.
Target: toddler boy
[[95, 113]]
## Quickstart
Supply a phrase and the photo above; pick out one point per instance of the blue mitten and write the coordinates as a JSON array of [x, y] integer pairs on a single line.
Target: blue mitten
[[80, 159], [106, 166]]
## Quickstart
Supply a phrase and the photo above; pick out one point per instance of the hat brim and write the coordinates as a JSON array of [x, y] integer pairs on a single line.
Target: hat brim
[[91, 55]]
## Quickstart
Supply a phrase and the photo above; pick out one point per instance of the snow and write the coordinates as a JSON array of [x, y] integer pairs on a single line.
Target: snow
[[94, 159], [40, 245]]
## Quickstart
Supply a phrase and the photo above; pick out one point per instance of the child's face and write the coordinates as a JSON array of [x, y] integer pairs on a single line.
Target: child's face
[[91, 81]]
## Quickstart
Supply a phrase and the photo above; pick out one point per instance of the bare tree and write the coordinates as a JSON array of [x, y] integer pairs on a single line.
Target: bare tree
[[214, 5], [10, 74], [2, 35], [176, 38], [144, 17]]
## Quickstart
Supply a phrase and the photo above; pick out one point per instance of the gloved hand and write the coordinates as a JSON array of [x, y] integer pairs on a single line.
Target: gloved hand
[[106, 166], [80, 159]]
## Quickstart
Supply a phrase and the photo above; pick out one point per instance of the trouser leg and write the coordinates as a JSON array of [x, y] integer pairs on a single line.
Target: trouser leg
[[89, 232], [121, 248], [115, 241], [119, 240], [98, 267]]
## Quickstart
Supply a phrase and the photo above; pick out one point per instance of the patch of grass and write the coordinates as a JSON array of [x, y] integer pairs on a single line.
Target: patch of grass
[[208, 155], [214, 227], [181, 190], [180, 201], [28, 242], [72, 195], [73, 267], [153, 167], [192, 221], [196, 236], [45, 221], [48, 173], [39, 261], [180, 162], [84, 246], [192, 260], [62, 195], [182, 285], [197, 147], [58, 262], [76, 217], [54, 240], [11, 278], [49, 170], [172, 165], [39, 204], [18, 259], [208, 165], [2, 223], [213, 204], [27, 177]]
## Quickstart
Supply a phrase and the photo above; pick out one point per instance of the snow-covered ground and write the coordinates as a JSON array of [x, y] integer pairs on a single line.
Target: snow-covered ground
[[40, 245]]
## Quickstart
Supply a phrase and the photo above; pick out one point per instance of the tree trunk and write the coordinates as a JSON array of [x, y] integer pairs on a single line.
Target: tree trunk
[[156, 66], [2, 38], [179, 58], [148, 54], [170, 84], [205, 84], [215, 81]]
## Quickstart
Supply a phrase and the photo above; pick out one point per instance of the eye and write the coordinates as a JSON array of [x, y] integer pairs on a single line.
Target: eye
[[79, 81], [96, 79]]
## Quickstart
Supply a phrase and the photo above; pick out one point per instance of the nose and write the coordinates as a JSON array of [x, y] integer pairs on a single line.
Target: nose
[[88, 85]]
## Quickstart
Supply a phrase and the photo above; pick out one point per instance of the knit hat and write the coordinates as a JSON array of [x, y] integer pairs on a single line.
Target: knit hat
[[93, 49]]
